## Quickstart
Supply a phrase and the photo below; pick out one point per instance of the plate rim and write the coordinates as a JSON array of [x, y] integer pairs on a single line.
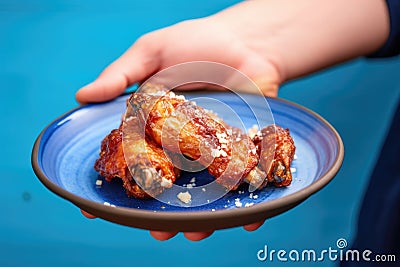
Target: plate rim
[[197, 220]]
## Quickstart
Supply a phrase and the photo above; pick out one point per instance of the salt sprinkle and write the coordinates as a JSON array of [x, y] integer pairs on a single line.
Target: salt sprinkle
[[238, 204], [252, 131], [166, 183], [185, 197]]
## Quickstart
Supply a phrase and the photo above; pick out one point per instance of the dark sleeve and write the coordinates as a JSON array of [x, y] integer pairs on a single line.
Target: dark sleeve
[[392, 45]]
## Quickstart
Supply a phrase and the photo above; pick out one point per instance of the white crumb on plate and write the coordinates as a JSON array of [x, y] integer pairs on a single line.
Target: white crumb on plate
[[293, 170], [295, 156], [238, 204], [166, 183], [99, 182], [185, 197], [190, 186], [248, 204], [193, 180], [203, 189]]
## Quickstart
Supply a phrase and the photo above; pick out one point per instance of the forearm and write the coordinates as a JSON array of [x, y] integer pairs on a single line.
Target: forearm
[[303, 36]]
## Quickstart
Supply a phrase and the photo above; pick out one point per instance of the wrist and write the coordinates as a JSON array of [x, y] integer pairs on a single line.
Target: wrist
[[307, 35]]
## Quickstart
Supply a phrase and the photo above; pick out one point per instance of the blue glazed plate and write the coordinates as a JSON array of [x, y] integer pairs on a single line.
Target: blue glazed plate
[[64, 154]]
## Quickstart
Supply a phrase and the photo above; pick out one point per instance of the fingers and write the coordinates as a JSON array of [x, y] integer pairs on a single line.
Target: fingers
[[135, 65], [197, 236], [254, 226], [88, 215], [162, 236], [192, 236]]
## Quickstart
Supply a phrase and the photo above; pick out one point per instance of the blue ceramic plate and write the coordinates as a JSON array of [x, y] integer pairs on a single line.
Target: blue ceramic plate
[[65, 152]]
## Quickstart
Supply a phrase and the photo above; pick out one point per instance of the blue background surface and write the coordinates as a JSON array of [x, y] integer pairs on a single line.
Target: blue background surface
[[48, 49]]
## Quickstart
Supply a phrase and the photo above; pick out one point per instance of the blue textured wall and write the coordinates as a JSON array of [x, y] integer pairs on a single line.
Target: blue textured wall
[[48, 49]]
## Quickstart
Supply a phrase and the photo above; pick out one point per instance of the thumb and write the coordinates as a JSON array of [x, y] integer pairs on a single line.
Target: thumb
[[136, 64]]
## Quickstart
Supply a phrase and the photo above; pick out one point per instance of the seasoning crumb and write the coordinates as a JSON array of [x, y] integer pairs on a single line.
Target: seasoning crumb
[[293, 170], [238, 204], [166, 183], [185, 197], [252, 131], [99, 182]]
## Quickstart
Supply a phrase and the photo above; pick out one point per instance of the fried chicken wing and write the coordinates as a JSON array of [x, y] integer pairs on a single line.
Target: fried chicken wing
[[126, 152], [183, 127], [276, 149], [158, 121]]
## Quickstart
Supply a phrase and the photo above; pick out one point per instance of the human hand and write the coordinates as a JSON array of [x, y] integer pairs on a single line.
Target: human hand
[[205, 39], [192, 236], [269, 41]]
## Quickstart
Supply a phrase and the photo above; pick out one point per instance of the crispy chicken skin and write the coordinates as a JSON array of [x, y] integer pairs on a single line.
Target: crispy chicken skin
[[157, 119], [125, 151], [276, 149], [183, 127]]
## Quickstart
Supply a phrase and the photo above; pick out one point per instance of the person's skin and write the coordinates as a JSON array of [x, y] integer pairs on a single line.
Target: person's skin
[[270, 41]]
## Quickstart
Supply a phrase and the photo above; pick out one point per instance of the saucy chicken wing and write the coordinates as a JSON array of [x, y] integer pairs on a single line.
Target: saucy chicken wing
[[156, 120]]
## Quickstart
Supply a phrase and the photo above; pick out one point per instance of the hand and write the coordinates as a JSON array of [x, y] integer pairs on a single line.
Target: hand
[[192, 236], [207, 39], [270, 41]]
